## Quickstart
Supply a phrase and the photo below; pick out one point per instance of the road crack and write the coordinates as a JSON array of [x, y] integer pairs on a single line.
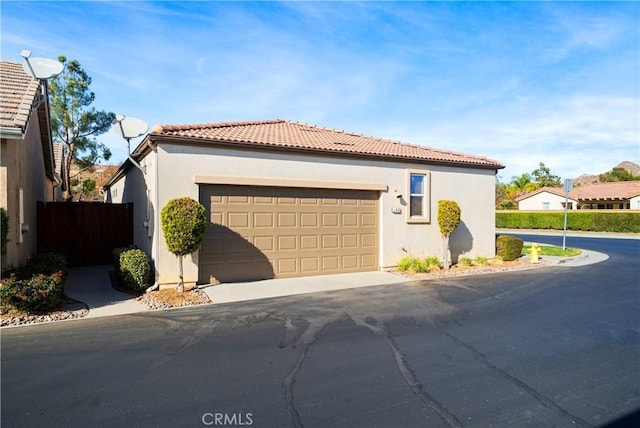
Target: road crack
[[408, 375], [542, 399]]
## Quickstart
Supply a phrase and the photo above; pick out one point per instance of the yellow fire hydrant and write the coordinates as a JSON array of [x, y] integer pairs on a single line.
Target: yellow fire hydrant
[[535, 250]]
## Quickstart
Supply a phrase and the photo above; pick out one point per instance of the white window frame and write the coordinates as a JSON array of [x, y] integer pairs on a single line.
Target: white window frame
[[546, 206], [426, 197]]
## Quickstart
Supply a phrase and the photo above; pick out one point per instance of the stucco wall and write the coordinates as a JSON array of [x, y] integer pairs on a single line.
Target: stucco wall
[[138, 187], [22, 167], [634, 203], [473, 189], [536, 202]]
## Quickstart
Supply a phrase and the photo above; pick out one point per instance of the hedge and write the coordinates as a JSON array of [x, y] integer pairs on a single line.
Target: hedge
[[509, 247], [593, 221]]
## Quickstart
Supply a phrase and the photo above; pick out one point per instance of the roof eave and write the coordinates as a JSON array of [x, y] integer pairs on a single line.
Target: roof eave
[[185, 140]]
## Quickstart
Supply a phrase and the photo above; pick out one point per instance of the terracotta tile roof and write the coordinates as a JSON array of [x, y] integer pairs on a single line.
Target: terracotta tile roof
[[58, 157], [18, 91], [310, 138], [613, 190], [559, 191]]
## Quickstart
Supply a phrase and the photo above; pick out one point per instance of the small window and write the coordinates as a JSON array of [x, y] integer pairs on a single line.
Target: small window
[[545, 205], [417, 195], [418, 200]]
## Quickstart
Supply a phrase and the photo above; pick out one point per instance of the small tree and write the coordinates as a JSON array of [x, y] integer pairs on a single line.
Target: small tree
[[183, 223], [74, 123], [448, 220], [542, 175]]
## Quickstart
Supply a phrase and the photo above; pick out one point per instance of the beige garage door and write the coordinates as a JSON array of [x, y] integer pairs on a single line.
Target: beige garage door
[[273, 232]]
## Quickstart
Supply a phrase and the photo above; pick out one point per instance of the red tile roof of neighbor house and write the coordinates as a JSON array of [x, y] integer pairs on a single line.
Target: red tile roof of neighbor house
[[612, 190], [297, 136], [18, 91], [559, 191], [616, 189]]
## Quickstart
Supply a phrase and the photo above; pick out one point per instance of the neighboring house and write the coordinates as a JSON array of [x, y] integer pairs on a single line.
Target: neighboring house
[[545, 198], [27, 172], [619, 195], [287, 199]]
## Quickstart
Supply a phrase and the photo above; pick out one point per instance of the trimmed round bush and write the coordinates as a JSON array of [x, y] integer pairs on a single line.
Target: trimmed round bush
[[509, 247], [135, 269]]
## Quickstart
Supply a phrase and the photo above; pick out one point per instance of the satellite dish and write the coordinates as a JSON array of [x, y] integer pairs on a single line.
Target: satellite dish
[[41, 68], [129, 127]]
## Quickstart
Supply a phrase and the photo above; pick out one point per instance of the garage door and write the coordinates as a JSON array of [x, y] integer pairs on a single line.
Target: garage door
[[274, 232]]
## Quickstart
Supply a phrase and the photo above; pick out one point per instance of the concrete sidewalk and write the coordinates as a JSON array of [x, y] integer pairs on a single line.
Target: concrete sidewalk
[[92, 286], [243, 291]]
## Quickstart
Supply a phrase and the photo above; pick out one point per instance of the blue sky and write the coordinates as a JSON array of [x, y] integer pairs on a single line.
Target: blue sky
[[521, 82]]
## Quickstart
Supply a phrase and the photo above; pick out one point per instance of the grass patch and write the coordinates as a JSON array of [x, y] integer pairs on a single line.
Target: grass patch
[[552, 250], [414, 264]]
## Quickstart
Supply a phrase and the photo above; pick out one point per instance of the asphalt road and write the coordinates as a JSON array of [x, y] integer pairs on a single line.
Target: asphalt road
[[546, 347]]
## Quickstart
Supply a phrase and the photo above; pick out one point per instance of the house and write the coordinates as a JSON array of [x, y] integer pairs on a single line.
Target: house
[[27, 173], [545, 198], [287, 199], [622, 195], [617, 195]]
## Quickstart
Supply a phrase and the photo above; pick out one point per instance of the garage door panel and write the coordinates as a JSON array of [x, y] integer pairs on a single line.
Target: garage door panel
[[309, 242], [349, 220], [309, 220], [349, 262], [262, 232], [287, 266], [368, 261], [238, 220], [287, 220], [263, 220], [330, 219], [368, 220], [264, 243], [309, 265], [287, 243], [350, 241], [368, 240]]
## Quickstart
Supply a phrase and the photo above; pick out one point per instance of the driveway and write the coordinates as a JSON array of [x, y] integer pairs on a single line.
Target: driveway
[[546, 347]]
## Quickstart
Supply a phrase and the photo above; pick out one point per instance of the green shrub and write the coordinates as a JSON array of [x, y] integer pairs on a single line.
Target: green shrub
[[480, 261], [465, 261], [40, 293], [593, 221], [135, 269], [38, 286], [417, 265], [115, 253], [509, 247], [46, 263], [4, 230]]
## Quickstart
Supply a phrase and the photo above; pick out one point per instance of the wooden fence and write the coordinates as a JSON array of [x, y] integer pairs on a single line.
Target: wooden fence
[[85, 231]]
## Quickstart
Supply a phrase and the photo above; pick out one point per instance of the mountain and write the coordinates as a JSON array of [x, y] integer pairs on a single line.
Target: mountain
[[632, 167]]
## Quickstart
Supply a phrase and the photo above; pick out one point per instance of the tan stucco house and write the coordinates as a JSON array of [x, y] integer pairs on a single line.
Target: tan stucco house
[[288, 199], [619, 195], [27, 168]]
